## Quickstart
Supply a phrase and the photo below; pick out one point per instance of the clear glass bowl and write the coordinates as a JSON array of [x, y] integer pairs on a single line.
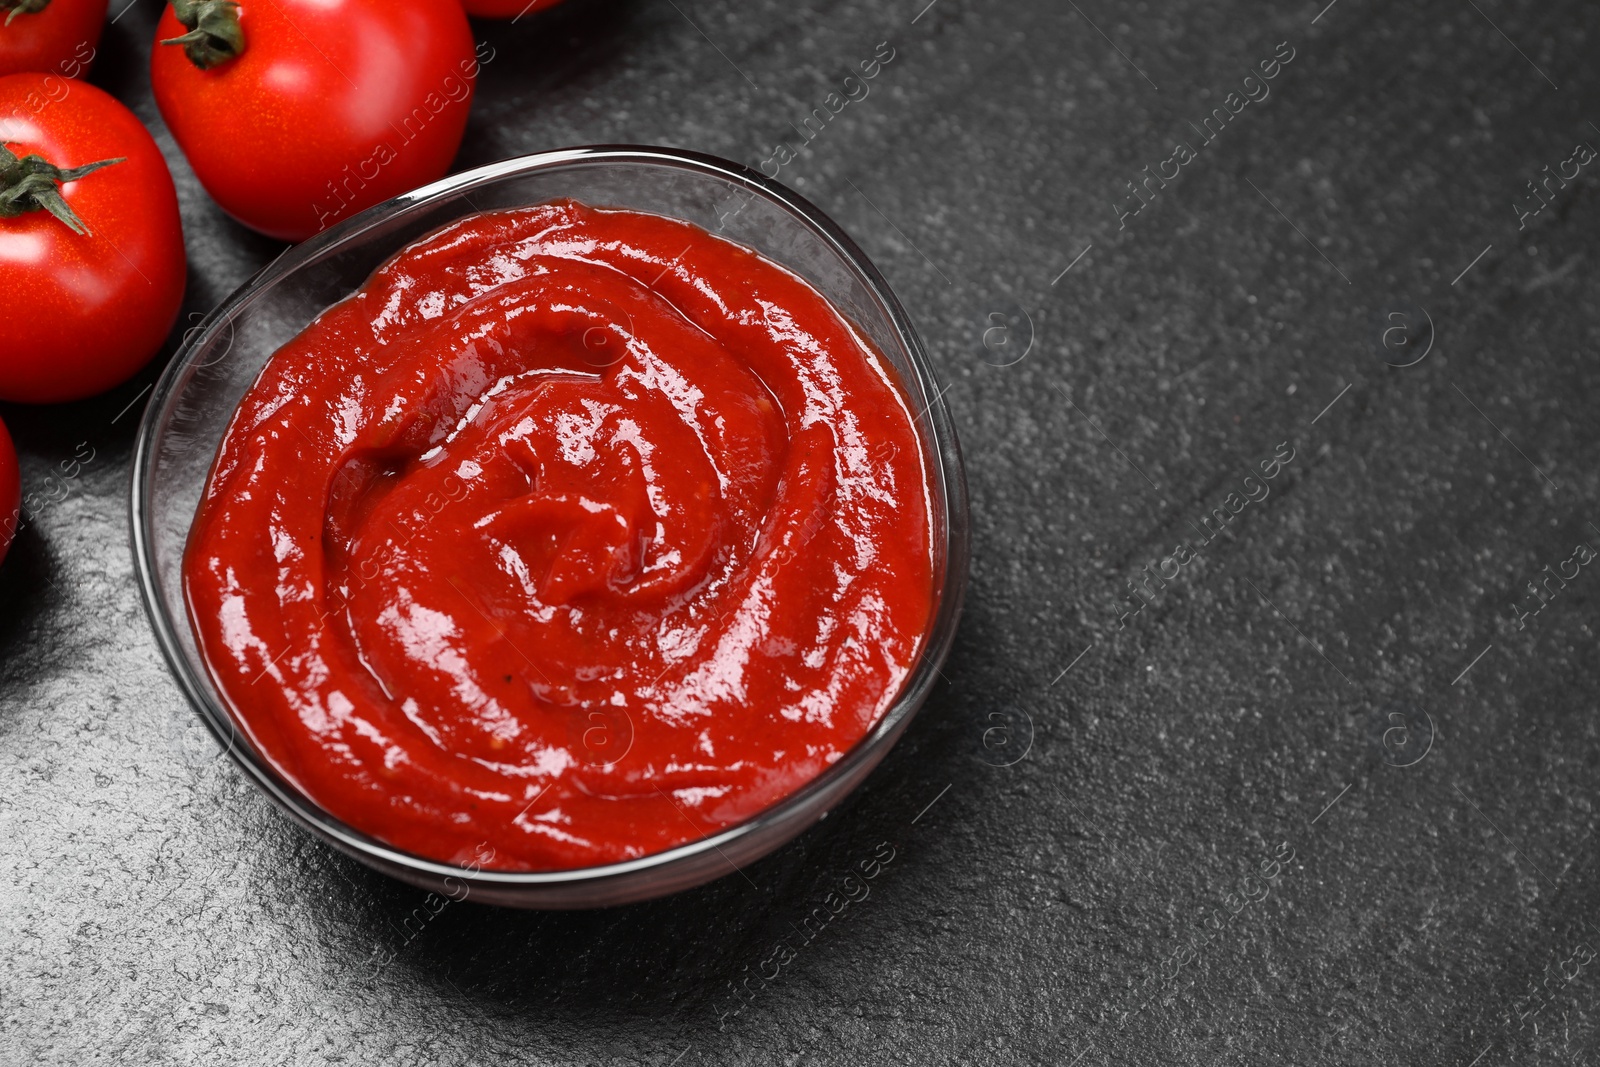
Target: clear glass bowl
[[197, 394]]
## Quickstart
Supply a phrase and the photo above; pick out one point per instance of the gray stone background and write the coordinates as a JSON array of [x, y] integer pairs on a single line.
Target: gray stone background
[[1328, 799]]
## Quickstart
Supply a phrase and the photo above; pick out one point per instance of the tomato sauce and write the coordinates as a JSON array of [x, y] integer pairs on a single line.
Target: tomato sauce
[[573, 535]]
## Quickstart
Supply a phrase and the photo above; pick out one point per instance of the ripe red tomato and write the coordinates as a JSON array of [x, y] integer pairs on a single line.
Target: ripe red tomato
[[84, 311], [331, 106], [55, 36], [505, 9], [10, 491]]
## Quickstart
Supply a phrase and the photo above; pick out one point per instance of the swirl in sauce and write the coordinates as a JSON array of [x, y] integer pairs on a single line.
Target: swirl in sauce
[[572, 535]]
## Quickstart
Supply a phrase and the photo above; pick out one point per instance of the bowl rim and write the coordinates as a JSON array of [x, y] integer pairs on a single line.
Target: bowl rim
[[859, 759]]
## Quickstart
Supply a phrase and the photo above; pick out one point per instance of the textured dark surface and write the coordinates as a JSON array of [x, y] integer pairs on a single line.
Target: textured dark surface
[[156, 909]]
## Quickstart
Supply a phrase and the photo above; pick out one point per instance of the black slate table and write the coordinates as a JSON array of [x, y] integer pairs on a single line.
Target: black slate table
[[1323, 791]]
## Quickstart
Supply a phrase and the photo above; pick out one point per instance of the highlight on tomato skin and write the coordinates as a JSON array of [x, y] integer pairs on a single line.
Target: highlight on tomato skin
[[50, 36], [91, 243], [10, 492], [505, 9], [298, 114]]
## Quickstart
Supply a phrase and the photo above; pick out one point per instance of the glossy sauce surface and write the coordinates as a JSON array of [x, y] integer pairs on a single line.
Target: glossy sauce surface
[[572, 536]]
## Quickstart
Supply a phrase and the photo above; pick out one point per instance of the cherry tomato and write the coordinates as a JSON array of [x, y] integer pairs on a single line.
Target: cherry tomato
[[296, 114], [84, 310], [55, 36], [505, 9], [10, 491]]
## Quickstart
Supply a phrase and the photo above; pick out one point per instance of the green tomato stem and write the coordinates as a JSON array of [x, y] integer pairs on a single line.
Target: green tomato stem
[[32, 184], [22, 7], [215, 36]]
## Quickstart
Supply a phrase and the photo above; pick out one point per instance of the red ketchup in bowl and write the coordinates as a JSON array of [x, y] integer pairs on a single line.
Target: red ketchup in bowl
[[572, 536]]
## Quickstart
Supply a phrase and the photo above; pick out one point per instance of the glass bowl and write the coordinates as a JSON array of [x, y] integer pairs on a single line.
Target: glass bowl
[[221, 358]]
